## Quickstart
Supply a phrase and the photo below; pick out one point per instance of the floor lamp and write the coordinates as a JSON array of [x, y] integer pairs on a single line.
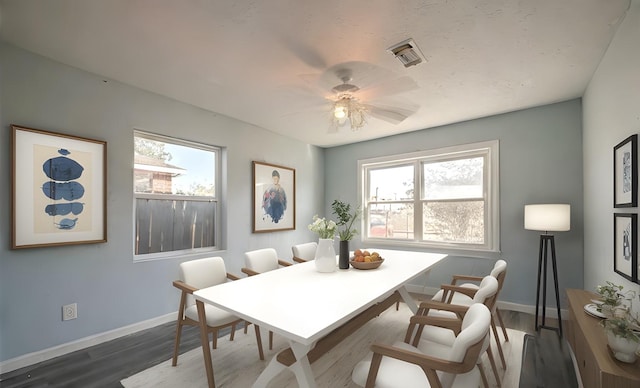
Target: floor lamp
[[547, 218]]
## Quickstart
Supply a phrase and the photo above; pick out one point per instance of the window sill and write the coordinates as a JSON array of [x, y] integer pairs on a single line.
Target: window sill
[[396, 244], [190, 254]]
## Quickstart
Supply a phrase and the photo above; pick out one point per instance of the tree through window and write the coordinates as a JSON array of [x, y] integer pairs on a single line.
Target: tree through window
[[446, 198], [175, 185]]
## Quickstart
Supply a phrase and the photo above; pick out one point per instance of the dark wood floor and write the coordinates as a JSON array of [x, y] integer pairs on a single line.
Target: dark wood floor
[[104, 365]]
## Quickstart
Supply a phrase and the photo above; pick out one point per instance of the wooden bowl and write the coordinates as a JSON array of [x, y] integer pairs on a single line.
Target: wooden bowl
[[365, 265]]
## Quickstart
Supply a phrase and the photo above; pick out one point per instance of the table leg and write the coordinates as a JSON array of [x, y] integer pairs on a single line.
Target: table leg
[[408, 299], [204, 338], [272, 370], [301, 368]]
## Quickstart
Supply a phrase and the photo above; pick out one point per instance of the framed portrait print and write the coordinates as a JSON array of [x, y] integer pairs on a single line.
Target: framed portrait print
[[625, 173], [625, 255], [58, 189], [274, 198]]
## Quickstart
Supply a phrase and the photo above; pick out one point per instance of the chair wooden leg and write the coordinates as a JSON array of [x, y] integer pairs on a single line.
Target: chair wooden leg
[[233, 332], [504, 329], [214, 341], [270, 340], [495, 336], [176, 345], [246, 326], [492, 361], [204, 338], [485, 382], [259, 341]]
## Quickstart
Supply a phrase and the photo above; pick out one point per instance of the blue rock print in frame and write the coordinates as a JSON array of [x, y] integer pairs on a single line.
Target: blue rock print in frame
[[63, 177], [59, 189], [63, 170]]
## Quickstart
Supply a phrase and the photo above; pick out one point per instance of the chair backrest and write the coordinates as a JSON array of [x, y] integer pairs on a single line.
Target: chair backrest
[[499, 272], [306, 251], [202, 273], [261, 260], [475, 329], [487, 290]]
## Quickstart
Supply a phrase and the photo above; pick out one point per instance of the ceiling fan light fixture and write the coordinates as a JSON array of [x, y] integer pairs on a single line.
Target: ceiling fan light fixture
[[348, 108], [339, 111]]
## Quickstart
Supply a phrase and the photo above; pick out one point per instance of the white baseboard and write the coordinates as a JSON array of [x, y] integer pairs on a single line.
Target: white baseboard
[[82, 343], [551, 312]]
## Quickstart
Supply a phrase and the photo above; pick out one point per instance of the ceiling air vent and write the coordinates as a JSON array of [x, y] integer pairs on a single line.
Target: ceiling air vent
[[407, 52]]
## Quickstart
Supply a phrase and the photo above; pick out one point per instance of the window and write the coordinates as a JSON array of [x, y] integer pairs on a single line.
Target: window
[[176, 185], [444, 198]]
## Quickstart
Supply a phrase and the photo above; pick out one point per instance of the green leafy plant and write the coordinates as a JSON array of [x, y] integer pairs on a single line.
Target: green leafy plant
[[325, 228], [611, 294], [346, 218], [622, 324]]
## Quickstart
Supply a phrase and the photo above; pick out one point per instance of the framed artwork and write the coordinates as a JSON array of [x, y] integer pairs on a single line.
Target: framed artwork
[[274, 198], [625, 238], [625, 173], [58, 189]]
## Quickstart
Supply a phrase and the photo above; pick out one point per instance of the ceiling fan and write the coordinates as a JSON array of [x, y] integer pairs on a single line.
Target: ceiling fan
[[354, 105], [346, 106]]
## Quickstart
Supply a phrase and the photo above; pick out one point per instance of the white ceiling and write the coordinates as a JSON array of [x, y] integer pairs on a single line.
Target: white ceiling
[[272, 63]]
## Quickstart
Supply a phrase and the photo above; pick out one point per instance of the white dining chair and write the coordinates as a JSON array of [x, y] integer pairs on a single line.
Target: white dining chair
[[499, 272], [195, 275], [402, 365], [304, 252], [259, 261], [484, 294], [262, 260]]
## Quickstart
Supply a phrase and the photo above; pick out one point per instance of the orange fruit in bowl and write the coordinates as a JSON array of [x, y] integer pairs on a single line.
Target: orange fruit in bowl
[[357, 252]]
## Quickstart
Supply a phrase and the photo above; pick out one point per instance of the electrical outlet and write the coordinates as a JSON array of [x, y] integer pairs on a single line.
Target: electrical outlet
[[69, 311]]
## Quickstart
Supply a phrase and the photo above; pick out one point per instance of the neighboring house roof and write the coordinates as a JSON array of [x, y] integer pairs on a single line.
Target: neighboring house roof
[[148, 163]]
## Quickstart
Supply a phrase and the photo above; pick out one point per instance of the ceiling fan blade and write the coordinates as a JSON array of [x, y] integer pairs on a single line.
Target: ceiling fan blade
[[386, 88], [306, 53], [314, 85], [393, 115]]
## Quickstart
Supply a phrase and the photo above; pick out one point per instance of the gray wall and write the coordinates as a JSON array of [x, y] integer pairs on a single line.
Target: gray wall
[[111, 290], [611, 114], [540, 162]]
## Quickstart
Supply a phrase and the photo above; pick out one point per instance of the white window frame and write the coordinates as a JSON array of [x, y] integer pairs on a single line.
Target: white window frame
[[217, 199], [488, 149]]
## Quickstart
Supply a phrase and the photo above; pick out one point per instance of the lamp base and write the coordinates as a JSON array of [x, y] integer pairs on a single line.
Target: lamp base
[[547, 242]]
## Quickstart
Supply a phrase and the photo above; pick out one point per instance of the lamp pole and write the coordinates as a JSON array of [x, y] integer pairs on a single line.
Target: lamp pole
[[547, 242]]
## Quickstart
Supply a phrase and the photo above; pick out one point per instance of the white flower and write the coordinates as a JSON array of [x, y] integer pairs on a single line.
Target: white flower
[[325, 228]]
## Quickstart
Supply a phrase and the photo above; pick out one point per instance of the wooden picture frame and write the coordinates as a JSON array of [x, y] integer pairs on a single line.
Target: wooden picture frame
[[274, 197], [625, 241], [58, 192], [625, 173]]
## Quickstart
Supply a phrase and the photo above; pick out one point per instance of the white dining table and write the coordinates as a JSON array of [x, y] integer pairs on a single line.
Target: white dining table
[[303, 305]]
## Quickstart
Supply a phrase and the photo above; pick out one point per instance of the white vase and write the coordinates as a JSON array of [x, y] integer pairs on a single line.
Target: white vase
[[623, 349], [325, 256]]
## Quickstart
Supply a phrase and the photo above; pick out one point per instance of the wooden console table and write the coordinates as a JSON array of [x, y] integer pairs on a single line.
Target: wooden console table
[[598, 368]]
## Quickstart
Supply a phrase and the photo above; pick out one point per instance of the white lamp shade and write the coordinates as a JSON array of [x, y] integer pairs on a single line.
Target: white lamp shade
[[548, 217]]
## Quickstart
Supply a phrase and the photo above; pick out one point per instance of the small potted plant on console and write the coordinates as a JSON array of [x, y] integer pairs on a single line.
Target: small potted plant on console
[[622, 327]]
